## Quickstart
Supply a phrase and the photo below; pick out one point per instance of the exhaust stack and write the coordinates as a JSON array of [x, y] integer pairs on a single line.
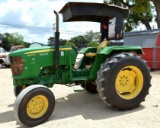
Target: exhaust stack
[[57, 34]]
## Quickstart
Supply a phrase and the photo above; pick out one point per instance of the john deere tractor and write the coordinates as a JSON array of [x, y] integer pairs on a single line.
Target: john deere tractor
[[119, 75]]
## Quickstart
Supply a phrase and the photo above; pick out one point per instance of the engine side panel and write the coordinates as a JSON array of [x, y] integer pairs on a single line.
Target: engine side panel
[[34, 60]]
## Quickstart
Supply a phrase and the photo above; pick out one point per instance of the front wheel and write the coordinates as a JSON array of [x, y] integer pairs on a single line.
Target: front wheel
[[18, 89], [123, 81], [34, 105]]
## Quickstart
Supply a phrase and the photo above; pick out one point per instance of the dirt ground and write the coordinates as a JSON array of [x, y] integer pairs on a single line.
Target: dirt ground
[[84, 110]]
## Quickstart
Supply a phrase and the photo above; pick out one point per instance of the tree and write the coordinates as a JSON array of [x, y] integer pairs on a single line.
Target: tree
[[12, 39], [70, 43], [15, 39], [51, 41], [79, 41], [92, 44], [157, 8], [140, 12], [5, 43], [62, 41], [84, 41], [90, 36]]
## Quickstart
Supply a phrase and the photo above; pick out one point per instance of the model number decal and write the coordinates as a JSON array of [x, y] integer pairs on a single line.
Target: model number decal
[[43, 54]]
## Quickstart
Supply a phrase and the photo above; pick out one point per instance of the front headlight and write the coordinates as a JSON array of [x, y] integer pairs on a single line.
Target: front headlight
[[17, 65]]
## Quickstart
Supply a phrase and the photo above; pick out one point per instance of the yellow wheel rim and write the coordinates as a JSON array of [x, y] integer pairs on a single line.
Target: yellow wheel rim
[[129, 82], [37, 106]]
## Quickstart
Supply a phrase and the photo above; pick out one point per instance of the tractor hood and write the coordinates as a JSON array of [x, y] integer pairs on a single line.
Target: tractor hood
[[94, 12], [30, 51], [28, 62]]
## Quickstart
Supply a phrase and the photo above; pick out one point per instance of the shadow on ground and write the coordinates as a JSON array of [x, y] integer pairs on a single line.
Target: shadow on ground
[[90, 106], [7, 116]]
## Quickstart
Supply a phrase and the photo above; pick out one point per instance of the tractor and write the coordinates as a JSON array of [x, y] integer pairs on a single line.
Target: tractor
[[116, 72]]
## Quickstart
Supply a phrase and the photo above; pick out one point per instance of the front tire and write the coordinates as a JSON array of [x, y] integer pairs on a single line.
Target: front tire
[[34, 105], [18, 89], [123, 81]]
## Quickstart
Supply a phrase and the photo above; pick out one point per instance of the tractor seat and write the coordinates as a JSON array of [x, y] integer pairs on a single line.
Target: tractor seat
[[100, 46]]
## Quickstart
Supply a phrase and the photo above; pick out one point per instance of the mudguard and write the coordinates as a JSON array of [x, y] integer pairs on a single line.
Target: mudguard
[[110, 49]]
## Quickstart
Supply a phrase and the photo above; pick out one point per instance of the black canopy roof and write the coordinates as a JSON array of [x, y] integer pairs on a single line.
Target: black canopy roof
[[94, 12]]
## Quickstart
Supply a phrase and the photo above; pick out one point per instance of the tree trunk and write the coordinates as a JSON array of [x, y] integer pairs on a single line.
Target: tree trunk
[[157, 6], [148, 27]]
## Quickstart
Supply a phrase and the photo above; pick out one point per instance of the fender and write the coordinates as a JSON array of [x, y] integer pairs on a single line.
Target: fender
[[108, 50]]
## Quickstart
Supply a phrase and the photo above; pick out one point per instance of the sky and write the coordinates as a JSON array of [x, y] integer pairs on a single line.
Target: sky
[[34, 19]]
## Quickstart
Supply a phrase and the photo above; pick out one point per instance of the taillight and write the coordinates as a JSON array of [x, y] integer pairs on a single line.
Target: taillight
[[17, 64]]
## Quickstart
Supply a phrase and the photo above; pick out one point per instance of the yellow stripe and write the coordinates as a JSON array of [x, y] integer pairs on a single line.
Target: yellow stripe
[[48, 50]]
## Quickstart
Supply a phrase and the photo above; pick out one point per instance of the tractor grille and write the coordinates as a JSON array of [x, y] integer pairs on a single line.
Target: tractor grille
[[17, 64]]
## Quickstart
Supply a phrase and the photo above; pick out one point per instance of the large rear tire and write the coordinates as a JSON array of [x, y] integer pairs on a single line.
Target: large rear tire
[[123, 81], [34, 105]]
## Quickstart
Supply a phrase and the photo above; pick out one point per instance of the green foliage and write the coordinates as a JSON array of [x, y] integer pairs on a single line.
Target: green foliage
[[138, 9], [51, 41], [140, 12], [15, 39], [82, 41], [116, 2], [63, 41], [79, 41], [92, 44], [12, 39], [70, 43], [90, 36], [156, 7]]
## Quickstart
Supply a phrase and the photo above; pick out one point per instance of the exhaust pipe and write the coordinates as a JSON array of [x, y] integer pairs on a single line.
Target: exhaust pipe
[[57, 34]]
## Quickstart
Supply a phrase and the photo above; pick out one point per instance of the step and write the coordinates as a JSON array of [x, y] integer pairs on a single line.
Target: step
[[80, 90], [80, 78]]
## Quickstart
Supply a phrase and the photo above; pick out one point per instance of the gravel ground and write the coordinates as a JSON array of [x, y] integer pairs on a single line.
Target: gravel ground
[[75, 110]]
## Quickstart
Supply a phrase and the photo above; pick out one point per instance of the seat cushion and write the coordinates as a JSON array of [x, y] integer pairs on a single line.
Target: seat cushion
[[102, 45], [91, 54]]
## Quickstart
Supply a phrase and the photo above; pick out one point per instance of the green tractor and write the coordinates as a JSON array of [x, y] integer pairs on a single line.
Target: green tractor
[[121, 78]]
